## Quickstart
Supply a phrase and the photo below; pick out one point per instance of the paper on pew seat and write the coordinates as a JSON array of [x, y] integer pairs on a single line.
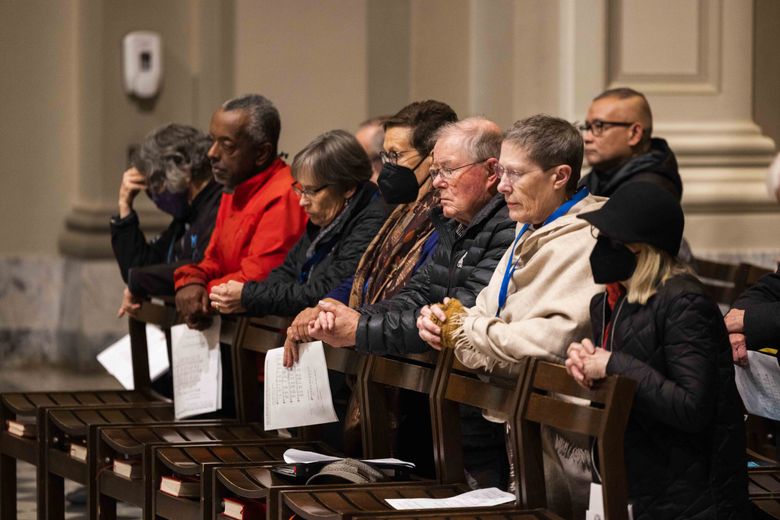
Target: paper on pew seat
[[197, 370], [117, 359], [759, 385], [292, 456], [479, 498], [297, 396]]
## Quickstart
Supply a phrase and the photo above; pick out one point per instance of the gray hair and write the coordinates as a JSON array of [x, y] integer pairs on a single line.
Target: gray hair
[[264, 123], [378, 139], [172, 156], [549, 141], [336, 158], [479, 137]]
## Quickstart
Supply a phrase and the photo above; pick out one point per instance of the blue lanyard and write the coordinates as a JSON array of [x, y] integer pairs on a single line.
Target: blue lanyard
[[510, 269]]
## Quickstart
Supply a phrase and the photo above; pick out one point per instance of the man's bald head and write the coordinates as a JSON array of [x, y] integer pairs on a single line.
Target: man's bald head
[[634, 103], [621, 126]]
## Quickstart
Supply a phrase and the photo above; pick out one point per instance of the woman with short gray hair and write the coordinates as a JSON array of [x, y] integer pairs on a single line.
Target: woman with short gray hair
[[331, 177]]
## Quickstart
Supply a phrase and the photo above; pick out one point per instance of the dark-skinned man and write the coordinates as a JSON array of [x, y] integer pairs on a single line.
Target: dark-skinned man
[[259, 218]]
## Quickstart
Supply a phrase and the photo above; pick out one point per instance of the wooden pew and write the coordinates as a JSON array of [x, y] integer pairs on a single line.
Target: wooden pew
[[454, 385], [63, 427], [136, 443], [256, 482], [192, 461], [33, 405], [603, 415]]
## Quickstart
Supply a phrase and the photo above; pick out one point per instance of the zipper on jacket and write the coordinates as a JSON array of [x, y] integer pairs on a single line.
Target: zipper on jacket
[[614, 323]]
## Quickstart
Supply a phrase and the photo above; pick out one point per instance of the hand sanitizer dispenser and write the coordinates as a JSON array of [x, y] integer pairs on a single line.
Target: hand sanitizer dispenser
[[142, 63]]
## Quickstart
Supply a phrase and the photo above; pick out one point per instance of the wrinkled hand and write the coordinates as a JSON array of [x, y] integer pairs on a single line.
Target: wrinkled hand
[[735, 320], [226, 297], [738, 349], [192, 303], [428, 331], [336, 324], [298, 330], [130, 304], [290, 353], [575, 361], [133, 181]]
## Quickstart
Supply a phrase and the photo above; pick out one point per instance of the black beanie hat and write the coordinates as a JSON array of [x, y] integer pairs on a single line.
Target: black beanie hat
[[641, 212]]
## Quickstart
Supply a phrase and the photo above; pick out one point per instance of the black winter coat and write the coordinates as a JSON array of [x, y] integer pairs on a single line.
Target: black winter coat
[[658, 166], [685, 440], [460, 267], [147, 267], [308, 275], [761, 304]]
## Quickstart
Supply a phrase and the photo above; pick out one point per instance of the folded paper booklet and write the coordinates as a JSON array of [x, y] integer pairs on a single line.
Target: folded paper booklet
[[759, 385], [197, 370], [293, 456], [297, 396], [479, 498], [117, 359]]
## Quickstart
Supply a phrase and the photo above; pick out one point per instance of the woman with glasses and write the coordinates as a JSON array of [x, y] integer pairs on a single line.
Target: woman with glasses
[[536, 302], [331, 177], [685, 440]]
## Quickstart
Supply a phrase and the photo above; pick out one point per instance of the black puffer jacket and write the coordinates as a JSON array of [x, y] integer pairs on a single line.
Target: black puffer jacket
[[685, 440], [658, 166], [761, 304], [307, 273], [461, 265]]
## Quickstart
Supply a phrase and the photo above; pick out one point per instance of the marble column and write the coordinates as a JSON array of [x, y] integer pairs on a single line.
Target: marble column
[[197, 61], [693, 60]]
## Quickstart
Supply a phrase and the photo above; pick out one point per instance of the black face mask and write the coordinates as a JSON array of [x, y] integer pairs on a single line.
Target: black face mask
[[398, 184], [611, 262]]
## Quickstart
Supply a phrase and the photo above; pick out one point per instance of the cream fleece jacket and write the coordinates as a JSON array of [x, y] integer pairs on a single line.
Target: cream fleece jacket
[[548, 300]]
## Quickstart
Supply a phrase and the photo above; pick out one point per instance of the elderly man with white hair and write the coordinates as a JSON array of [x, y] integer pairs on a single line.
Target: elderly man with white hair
[[474, 231]]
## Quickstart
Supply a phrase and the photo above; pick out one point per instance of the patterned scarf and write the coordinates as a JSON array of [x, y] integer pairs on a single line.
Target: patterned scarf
[[390, 259]]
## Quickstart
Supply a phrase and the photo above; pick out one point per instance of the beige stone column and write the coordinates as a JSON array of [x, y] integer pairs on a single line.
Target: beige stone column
[[693, 60], [197, 60]]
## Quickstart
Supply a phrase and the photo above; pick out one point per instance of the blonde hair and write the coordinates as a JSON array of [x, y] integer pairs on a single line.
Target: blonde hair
[[653, 268]]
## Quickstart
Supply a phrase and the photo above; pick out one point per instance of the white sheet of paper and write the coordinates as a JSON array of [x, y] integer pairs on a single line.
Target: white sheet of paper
[[759, 385], [292, 456], [197, 370], [487, 497], [298, 396], [117, 358], [595, 509]]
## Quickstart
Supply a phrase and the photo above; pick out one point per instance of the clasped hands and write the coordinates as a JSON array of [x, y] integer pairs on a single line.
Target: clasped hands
[[330, 321], [587, 363]]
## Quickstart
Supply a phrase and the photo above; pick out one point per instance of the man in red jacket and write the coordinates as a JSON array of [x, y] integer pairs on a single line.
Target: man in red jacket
[[259, 218]]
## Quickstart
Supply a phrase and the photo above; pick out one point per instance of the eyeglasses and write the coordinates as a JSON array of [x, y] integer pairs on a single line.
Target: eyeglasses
[[512, 176], [393, 156], [298, 188], [447, 173], [597, 127]]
